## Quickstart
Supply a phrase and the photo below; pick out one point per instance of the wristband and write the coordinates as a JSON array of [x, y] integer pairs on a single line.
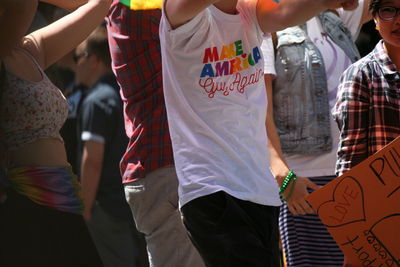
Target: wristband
[[291, 175], [284, 199]]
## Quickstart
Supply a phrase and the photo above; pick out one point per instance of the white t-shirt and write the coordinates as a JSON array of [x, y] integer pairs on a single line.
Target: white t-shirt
[[267, 49], [216, 104], [336, 62]]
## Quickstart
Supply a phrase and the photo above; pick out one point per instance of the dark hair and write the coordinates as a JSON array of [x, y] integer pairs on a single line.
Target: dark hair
[[374, 5], [97, 44]]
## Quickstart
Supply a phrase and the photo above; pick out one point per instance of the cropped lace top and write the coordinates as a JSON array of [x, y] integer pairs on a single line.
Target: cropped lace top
[[30, 110]]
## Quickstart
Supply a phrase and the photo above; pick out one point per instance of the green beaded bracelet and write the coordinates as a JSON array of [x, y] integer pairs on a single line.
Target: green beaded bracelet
[[284, 199], [291, 175]]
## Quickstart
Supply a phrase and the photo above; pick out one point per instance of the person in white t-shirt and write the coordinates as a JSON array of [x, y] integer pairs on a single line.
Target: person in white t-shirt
[[310, 59], [216, 105]]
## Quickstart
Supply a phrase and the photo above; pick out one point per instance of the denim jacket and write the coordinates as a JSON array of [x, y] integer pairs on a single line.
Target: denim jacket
[[301, 106]]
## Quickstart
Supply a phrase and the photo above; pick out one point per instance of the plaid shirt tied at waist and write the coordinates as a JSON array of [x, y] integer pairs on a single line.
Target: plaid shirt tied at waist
[[135, 51]]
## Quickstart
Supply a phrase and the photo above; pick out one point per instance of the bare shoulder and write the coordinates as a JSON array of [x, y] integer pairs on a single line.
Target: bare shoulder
[[31, 44]]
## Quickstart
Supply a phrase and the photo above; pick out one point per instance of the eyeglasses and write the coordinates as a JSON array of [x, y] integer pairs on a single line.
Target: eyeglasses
[[388, 12], [77, 57]]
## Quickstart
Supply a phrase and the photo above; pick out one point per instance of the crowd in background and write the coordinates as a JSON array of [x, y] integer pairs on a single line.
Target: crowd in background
[[116, 130]]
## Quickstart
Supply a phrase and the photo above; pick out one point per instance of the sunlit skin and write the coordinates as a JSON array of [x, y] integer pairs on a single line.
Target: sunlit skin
[[53, 42], [390, 32], [271, 18]]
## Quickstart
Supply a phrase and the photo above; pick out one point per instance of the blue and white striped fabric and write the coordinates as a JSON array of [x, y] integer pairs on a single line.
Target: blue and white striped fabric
[[306, 241]]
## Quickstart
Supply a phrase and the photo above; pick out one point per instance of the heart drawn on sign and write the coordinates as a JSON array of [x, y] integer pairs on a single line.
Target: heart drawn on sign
[[346, 206]]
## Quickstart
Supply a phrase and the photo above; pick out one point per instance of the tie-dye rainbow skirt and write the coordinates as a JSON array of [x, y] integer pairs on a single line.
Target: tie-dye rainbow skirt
[[54, 187]]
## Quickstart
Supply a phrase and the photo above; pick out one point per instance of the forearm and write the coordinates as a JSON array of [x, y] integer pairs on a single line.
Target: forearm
[[90, 178], [66, 4], [91, 167], [60, 37], [278, 163], [274, 17]]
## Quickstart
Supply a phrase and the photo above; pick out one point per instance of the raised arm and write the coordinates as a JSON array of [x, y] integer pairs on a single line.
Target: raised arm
[[19, 14], [57, 39], [68, 5], [181, 11], [274, 17]]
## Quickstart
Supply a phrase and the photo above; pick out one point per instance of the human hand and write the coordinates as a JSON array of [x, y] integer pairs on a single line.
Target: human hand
[[297, 203]]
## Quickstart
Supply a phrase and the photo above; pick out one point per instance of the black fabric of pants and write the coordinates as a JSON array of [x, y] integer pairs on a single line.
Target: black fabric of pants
[[34, 235], [230, 232]]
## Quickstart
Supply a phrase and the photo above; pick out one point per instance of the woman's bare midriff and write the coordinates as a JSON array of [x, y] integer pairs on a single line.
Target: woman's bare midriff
[[42, 152]]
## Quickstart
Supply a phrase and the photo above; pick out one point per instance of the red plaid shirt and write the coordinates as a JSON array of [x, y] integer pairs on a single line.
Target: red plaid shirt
[[135, 50], [368, 108]]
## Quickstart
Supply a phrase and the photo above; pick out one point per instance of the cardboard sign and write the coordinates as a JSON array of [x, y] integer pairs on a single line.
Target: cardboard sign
[[361, 209]]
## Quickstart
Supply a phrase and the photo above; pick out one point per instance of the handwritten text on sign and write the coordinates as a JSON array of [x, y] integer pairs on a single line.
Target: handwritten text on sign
[[361, 209]]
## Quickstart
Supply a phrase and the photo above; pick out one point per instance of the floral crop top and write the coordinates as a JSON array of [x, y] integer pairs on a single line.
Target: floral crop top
[[30, 110]]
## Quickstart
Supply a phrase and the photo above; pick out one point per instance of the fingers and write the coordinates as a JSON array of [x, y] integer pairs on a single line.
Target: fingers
[[292, 209], [297, 203], [311, 184], [300, 207]]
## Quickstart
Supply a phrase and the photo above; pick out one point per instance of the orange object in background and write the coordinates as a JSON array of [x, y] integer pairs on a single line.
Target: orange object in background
[[361, 209]]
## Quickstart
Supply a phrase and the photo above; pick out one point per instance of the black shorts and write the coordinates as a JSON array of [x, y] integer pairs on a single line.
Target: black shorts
[[231, 232]]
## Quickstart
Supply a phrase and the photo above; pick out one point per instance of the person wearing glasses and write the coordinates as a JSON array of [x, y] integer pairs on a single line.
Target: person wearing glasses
[[367, 110], [368, 105], [101, 143]]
